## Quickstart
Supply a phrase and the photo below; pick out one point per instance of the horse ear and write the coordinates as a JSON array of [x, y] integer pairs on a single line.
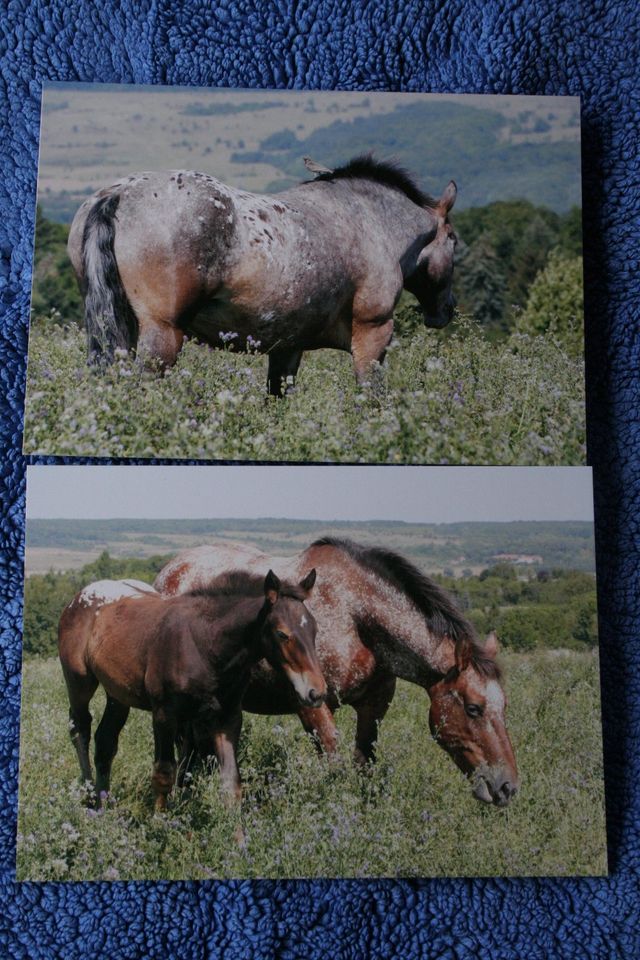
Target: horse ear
[[490, 648], [271, 587], [462, 653], [308, 582], [448, 198]]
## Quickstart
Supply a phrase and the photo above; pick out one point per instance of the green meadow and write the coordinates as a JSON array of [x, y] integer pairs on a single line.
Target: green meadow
[[461, 399], [412, 814]]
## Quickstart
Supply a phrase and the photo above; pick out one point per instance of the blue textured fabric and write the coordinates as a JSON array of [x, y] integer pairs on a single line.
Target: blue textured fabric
[[511, 46]]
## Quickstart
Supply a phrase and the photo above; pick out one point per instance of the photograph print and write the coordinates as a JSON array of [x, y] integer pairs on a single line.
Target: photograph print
[[309, 672], [307, 276]]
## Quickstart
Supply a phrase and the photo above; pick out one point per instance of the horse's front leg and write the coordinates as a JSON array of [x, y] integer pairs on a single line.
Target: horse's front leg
[[186, 745], [370, 710], [164, 767], [283, 367], [319, 723], [369, 342]]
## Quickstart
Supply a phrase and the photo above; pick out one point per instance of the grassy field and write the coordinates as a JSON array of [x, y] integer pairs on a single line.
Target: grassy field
[[458, 400], [411, 815]]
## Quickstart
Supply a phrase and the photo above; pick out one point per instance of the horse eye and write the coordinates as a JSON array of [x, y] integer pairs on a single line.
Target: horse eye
[[281, 635], [473, 710]]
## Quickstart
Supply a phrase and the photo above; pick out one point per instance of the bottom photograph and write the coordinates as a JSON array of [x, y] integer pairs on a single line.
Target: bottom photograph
[[313, 671]]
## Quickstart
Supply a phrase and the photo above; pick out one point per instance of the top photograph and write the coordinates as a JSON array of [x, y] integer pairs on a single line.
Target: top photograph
[[304, 276]]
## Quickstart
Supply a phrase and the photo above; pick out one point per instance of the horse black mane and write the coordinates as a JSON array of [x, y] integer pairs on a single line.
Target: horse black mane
[[387, 172], [442, 616], [241, 582]]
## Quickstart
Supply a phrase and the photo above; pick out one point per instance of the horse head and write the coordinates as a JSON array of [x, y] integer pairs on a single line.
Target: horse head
[[431, 272], [467, 719], [289, 633]]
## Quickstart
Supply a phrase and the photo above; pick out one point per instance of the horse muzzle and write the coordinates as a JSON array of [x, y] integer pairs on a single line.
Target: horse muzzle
[[442, 316], [311, 691], [314, 698], [494, 787]]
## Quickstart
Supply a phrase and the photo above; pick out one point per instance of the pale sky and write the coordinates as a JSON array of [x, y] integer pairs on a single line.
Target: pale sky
[[412, 494]]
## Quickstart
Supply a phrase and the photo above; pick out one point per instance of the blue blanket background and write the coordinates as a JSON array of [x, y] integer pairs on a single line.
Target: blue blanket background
[[511, 46]]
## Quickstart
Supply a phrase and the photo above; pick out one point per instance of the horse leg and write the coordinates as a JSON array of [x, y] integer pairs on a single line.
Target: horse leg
[[164, 767], [159, 342], [369, 342], [319, 723], [370, 711], [113, 720], [283, 367], [186, 744], [225, 746], [81, 689]]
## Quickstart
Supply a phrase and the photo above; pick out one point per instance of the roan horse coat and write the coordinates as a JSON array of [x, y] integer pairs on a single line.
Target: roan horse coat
[[164, 255]]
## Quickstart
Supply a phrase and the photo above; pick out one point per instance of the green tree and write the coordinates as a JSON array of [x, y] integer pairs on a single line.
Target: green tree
[[54, 286], [482, 284], [517, 630], [556, 303], [585, 629]]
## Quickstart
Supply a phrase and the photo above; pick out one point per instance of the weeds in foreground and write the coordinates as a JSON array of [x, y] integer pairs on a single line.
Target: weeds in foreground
[[457, 400], [412, 814]]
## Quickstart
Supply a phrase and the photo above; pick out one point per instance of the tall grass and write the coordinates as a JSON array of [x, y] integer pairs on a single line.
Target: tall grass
[[410, 815], [459, 399]]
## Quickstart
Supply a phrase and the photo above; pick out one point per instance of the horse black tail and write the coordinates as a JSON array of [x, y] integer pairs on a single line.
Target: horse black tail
[[109, 319]]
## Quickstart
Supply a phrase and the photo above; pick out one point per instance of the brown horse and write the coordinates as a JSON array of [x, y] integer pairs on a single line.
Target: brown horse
[[380, 618], [164, 255], [187, 660]]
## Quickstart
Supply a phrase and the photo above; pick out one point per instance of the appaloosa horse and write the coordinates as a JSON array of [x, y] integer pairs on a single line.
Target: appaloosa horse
[[379, 618], [187, 659], [164, 255]]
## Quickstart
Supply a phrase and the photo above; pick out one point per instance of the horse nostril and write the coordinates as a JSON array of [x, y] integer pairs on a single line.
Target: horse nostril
[[314, 696], [507, 790]]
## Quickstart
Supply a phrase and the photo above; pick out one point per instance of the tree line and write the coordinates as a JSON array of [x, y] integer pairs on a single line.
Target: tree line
[[528, 610]]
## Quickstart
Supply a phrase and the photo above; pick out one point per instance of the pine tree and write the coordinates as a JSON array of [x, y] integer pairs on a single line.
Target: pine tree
[[482, 284]]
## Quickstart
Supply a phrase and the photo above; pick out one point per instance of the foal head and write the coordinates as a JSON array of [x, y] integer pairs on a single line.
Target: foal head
[[430, 281], [467, 718], [289, 633]]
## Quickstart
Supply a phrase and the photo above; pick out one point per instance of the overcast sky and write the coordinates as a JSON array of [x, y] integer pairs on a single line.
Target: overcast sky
[[413, 494]]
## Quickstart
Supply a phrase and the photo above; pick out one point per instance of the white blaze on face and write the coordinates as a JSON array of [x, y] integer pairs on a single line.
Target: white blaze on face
[[303, 621], [300, 683], [494, 705], [494, 697]]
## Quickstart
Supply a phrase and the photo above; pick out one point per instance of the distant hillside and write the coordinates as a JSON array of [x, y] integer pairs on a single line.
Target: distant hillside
[[440, 142], [496, 148], [69, 544]]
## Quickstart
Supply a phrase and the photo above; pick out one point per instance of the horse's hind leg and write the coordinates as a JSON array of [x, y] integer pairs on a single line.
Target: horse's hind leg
[[370, 711], [283, 367], [81, 688], [113, 720], [225, 744], [159, 342], [164, 767]]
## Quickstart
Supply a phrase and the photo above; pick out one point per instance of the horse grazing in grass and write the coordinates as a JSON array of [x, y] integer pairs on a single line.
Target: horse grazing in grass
[[164, 255], [379, 618], [187, 660]]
